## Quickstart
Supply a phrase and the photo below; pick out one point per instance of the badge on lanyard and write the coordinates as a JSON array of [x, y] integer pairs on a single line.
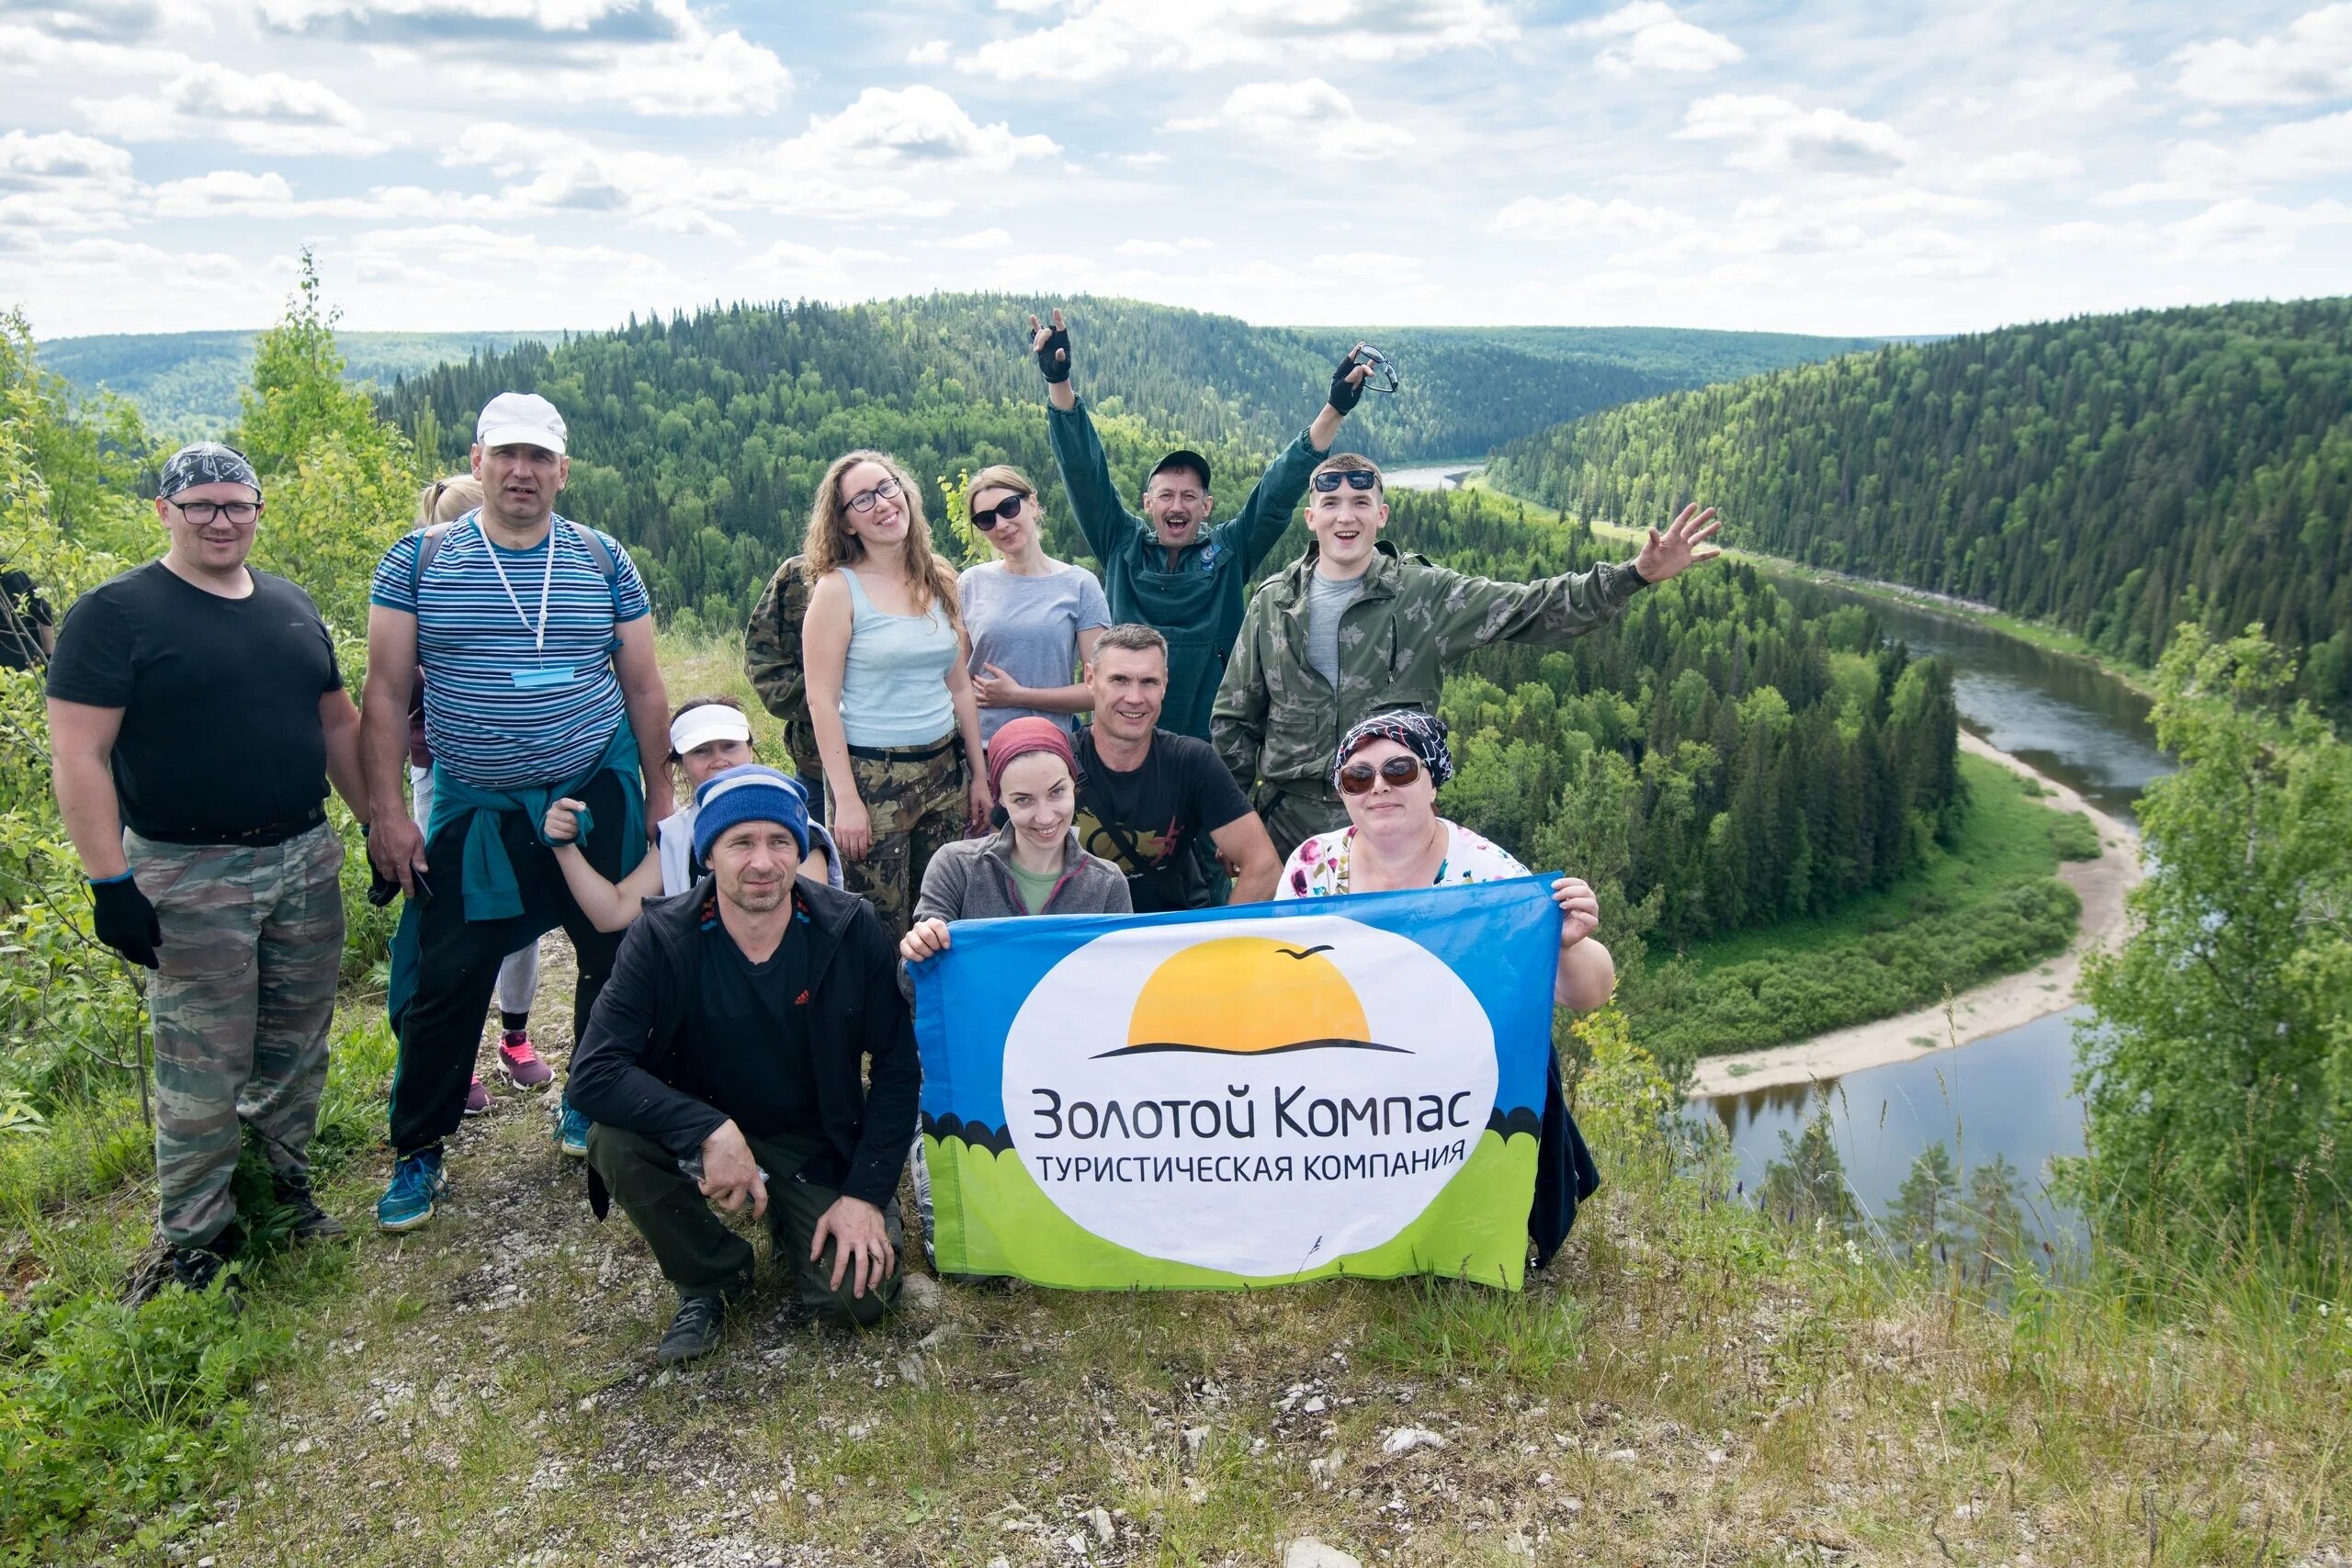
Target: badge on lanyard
[[542, 678]]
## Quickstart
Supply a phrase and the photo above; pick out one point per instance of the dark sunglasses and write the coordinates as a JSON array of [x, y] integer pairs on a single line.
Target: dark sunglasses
[[1356, 777], [1358, 478], [1004, 510]]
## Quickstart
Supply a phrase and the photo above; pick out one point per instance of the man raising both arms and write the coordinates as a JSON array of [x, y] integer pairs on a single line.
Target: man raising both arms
[[1169, 568], [535, 639], [1352, 627], [1145, 798], [196, 714]]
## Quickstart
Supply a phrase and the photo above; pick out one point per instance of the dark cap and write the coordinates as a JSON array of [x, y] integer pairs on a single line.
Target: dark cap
[[1183, 458]]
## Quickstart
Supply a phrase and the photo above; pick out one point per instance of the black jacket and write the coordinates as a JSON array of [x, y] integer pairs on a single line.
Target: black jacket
[[623, 1074]]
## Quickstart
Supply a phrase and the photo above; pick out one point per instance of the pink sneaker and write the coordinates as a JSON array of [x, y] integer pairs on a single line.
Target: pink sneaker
[[521, 1061], [477, 1097]]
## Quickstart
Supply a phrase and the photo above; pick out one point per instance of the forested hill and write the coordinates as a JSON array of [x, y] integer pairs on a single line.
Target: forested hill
[[186, 384], [699, 439], [2116, 474]]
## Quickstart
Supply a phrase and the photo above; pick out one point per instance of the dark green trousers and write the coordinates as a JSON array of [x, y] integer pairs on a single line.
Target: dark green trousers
[[703, 1256]]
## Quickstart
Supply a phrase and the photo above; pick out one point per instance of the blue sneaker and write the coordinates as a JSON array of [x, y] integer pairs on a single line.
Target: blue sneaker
[[571, 1131], [417, 1181]]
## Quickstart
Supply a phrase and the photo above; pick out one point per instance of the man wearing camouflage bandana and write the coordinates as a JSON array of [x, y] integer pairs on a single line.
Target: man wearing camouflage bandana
[[196, 714]]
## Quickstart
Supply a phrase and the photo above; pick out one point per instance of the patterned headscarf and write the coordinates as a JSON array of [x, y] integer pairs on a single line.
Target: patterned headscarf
[[206, 463], [1421, 734]]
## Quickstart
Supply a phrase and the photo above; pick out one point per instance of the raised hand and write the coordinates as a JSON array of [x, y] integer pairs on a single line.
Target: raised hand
[[1051, 346], [1347, 381], [1666, 554], [1579, 909]]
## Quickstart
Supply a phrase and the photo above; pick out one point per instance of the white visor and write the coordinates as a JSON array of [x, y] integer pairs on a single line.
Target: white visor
[[711, 721]]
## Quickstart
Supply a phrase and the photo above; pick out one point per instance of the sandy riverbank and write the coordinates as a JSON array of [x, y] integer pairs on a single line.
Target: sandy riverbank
[[1988, 1010]]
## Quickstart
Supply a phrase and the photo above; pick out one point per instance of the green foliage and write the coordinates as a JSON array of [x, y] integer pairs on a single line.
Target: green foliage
[[2073, 837], [1622, 1098], [1921, 1221], [2217, 1075], [1806, 1187], [189, 386], [2115, 474]]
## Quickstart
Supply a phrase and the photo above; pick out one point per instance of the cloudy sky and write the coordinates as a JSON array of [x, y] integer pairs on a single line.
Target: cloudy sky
[[1852, 166]]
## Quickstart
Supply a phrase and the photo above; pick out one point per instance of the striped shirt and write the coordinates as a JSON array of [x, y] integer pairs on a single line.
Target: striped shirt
[[501, 711]]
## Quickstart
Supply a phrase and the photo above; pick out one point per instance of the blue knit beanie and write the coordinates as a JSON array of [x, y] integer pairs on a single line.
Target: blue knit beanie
[[751, 793]]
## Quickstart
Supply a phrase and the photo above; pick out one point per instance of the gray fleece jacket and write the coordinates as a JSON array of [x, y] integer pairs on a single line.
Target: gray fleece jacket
[[972, 880]]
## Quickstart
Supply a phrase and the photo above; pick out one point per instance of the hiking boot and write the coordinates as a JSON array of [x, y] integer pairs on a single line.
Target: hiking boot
[[477, 1097], [696, 1331], [520, 1060], [417, 1181], [309, 1222], [197, 1266], [571, 1131]]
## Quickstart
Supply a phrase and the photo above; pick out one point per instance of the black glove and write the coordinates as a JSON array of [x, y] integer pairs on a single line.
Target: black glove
[[1346, 394], [125, 920], [1053, 359]]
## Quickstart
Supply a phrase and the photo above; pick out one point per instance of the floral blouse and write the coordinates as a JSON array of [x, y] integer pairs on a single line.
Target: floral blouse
[[1319, 868]]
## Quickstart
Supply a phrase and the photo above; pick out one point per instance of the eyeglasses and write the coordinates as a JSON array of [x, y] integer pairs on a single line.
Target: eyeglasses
[[1357, 479], [202, 513], [862, 502], [1005, 510], [1356, 777]]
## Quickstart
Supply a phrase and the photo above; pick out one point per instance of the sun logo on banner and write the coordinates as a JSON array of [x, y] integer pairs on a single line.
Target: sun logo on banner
[[1276, 1093]]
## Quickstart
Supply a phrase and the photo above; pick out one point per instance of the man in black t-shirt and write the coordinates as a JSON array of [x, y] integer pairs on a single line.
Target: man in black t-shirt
[[196, 714], [1147, 796], [25, 621], [726, 1064]]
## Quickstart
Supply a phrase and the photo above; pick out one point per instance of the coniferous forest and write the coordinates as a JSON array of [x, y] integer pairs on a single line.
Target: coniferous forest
[[2116, 474]]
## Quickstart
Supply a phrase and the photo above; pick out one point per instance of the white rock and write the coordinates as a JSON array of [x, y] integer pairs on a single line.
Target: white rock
[[920, 1292], [1099, 1520], [1000, 1562], [910, 1370], [1715, 1456], [1623, 1456], [1196, 1439], [1326, 1471], [1308, 1553], [1317, 1405], [1405, 1440]]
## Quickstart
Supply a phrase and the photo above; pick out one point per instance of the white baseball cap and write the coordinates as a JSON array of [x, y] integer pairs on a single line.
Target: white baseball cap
[[708, 722], [519, 419]]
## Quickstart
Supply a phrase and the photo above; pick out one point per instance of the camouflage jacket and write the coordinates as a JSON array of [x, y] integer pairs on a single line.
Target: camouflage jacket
[[1279, 721], [772, 661]]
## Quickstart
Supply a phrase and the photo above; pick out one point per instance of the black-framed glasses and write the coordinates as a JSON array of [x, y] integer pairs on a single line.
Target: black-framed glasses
[[1356, 777], [1357, 479], [1385, 376], [203, 512], [987, 518], [862, 502]]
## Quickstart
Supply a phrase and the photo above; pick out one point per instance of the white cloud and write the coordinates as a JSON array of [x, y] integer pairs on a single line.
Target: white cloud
[[61, 183], [788, 269], [1580, 217], [2207, 171], [2010, 167], [932, 52], [262, 111], [2082, 234], [1310, 117], [2311, 61], [1647, 36], [1160, 247], [918, 125], [2243, 230], [1773, 133], [2078, 90], [1097, 38], [983, 240]]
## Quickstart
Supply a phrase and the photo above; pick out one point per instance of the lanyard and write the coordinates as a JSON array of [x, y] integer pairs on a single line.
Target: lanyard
[[547, 582]]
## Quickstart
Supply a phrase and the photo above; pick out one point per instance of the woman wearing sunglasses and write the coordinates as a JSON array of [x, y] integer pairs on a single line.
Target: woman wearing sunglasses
[[1031, 621], [889, 693], [1388, 771]]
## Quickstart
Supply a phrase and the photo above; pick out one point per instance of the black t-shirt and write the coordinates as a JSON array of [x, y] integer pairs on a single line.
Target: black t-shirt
[[1145, 822], [22, 616], [747, 1037], [221, 733]]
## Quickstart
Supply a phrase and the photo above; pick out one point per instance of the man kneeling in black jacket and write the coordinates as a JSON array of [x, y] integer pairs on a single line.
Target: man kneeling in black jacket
[[722, 1066]]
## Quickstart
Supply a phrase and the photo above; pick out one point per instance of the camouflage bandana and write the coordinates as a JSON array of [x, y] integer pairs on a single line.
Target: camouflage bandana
[[207, 463], [1421, 734]]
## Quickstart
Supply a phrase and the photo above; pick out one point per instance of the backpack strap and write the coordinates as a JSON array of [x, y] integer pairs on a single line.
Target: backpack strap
[[429, 541]]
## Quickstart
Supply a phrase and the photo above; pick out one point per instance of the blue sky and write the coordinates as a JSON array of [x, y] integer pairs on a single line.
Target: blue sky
[[1839, 167]]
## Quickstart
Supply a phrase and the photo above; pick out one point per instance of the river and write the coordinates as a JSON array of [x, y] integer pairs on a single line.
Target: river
[[2011, 1093]]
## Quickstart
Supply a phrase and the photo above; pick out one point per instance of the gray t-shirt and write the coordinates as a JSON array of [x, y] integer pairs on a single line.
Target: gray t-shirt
[[1326, 601], [1028, 627]]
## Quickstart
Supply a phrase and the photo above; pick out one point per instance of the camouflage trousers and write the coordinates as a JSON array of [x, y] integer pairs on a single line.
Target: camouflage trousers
[[1291, 818], [252, 942], [916, 804]]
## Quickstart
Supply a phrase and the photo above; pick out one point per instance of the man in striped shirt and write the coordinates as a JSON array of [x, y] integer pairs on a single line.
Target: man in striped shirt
[[536, 638]]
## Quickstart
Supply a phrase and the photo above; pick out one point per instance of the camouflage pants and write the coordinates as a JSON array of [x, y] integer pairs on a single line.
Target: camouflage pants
[[253, 941], [1291, 818], [915, 806]]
